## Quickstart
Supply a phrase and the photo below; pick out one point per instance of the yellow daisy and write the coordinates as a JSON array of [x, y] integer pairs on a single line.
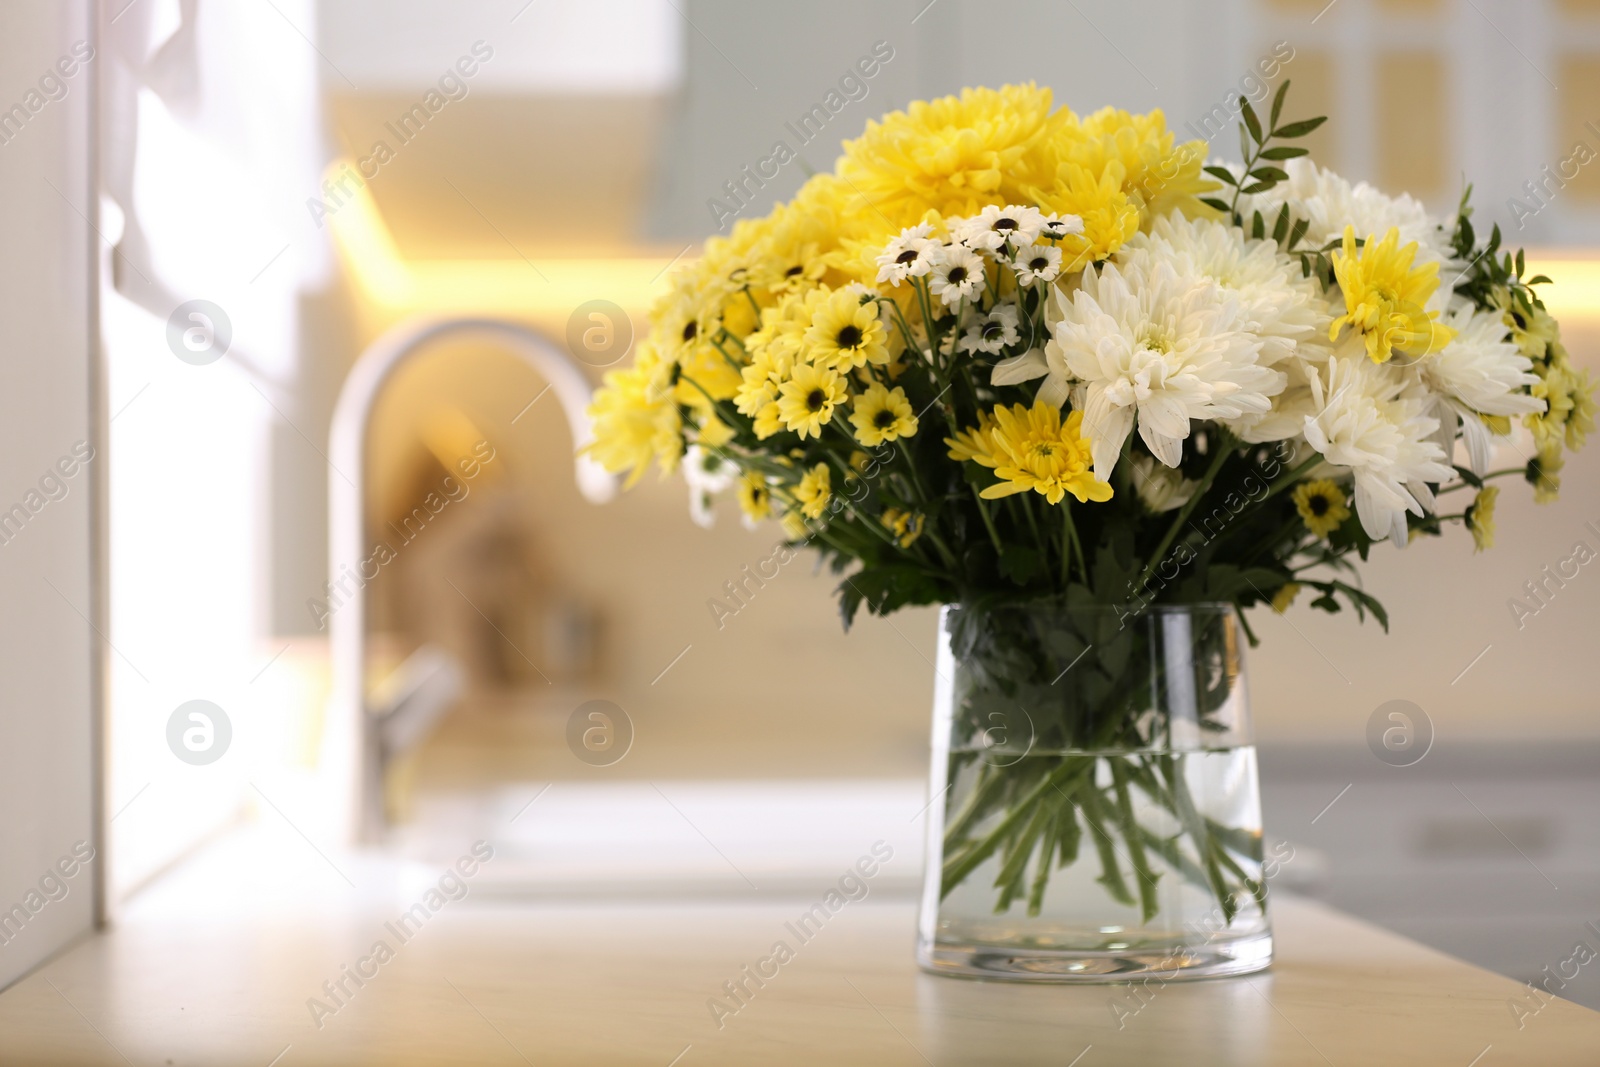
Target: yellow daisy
[[1544, 471], [1037, 451], [1321, 504], [845, 333], [755, 496], [806, 401], [1285, 596], [906, 526], [814, 491], [1480, 518], [634, 419], [881, 415], [1385, 297]]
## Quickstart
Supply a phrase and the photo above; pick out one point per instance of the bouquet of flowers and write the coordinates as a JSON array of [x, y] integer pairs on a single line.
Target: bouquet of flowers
[[1005, 354]]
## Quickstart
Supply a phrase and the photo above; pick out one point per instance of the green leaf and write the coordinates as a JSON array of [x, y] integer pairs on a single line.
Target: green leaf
[[849, 603], [1469, 477], [1537, 279], [1222, 174], [1020, 563], [1299, 129], [1277, 104], [1285, 151], [1281, 227], [1270, 174], [1252, 123], [1208, 201], [1258, 228], [1257, 187], [1299, 231]]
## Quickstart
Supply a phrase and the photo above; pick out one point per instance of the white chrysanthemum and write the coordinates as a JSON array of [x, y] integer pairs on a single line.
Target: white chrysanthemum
[[1329, 202], [1160, 488], [1145, 341], [1480, 370], [1369, 422], [1287, 418], [911, 254], [707, 474], [1282, 305]]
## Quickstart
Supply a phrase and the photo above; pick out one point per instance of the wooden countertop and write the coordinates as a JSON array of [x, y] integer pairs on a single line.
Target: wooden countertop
[[219, 964]]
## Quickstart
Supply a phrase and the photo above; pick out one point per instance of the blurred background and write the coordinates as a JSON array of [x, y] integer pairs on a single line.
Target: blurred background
[[322, 173]]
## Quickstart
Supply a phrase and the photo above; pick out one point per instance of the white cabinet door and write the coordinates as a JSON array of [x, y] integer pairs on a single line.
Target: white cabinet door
[[50, 470]]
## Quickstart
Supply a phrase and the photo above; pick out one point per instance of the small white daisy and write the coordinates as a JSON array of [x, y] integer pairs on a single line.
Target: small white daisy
[[992, 332], [1037, 263], [1058, 226], [708, 474], [910, 255], [993, 226], [957, 275]]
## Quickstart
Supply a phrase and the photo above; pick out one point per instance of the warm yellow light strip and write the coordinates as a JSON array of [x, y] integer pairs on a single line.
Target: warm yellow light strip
[[547, 288], [1574, 292], [551, 289]]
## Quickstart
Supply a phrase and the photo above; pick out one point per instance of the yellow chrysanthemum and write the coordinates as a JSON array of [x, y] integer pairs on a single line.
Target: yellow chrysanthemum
[[1285, 596], [1158, 175], [1385, 297], [976, 445], [845, 333], [1110, 218], [806, 401], [1480, 518], [954, 156], [1321, 504], [634, 420], [906, 526], [755, 496], [814, 491], [881, 414], [1037, 451]]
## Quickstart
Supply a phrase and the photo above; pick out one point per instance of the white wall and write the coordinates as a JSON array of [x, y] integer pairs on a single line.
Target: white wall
[[49, 657]]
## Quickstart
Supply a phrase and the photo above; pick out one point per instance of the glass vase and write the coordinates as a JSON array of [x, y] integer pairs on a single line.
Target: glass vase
[[1096, 811]]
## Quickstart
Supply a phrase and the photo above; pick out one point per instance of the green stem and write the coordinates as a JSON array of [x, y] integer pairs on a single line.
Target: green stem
[[1148, 902], [1224, 447], [1494, 474], [1096, 815], [988, 520], [956, 868], [1066, 546], [1291, 478]]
